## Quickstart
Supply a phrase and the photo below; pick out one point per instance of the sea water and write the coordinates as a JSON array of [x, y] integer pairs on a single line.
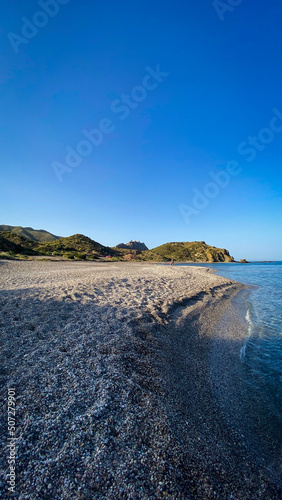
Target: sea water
[[262, 351]]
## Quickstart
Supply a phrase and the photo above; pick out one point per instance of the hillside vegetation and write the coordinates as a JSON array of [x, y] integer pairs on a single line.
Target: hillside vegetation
[[78, 243], [78, 246], [13, 243], [30, 233], [196, 251]]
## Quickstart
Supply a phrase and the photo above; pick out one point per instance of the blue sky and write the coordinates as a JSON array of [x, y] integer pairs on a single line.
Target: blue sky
[[201, 85]]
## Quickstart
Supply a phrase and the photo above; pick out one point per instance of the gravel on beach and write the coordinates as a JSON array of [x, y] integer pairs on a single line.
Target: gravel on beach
[[116, 382]]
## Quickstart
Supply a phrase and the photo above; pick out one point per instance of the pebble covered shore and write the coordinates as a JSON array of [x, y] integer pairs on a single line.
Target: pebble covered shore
[[111, 369]]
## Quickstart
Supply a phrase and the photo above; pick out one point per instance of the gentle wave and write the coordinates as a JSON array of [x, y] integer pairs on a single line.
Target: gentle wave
[[250, 329]]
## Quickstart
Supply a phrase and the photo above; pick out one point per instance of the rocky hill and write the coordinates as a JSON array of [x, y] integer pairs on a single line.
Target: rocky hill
[[196, 251], [30, 233], [132, 245]]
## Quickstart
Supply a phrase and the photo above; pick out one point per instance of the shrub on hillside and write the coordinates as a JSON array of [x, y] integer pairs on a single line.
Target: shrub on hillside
[[80, 256], [68, 255]]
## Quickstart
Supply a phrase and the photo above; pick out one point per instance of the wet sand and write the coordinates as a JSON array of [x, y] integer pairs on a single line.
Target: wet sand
[[116, 371]]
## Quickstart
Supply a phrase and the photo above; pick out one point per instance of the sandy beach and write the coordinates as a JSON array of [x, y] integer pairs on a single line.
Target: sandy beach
[[126, 383]]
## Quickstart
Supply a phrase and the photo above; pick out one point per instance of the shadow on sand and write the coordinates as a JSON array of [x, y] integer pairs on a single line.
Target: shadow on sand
[[81, 377]]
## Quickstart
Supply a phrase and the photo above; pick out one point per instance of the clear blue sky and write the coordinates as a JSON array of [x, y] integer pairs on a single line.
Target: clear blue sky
[[220, 81]]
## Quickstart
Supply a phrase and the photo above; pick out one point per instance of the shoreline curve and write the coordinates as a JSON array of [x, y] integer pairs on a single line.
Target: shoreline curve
[[114, 387]]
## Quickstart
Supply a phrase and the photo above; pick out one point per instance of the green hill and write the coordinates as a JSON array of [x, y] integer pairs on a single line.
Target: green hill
[[77, 243], [196, 251], [11, 242], [30, 233], [77, 246]]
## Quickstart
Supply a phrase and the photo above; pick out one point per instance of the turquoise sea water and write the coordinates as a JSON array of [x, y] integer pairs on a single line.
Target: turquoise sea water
[[262, 353]]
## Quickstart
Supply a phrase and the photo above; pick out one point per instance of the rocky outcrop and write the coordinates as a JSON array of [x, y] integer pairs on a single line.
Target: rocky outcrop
[[133, 245]]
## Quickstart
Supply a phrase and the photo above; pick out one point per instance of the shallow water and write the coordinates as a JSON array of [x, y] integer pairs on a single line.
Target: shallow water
[[262, 352]]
